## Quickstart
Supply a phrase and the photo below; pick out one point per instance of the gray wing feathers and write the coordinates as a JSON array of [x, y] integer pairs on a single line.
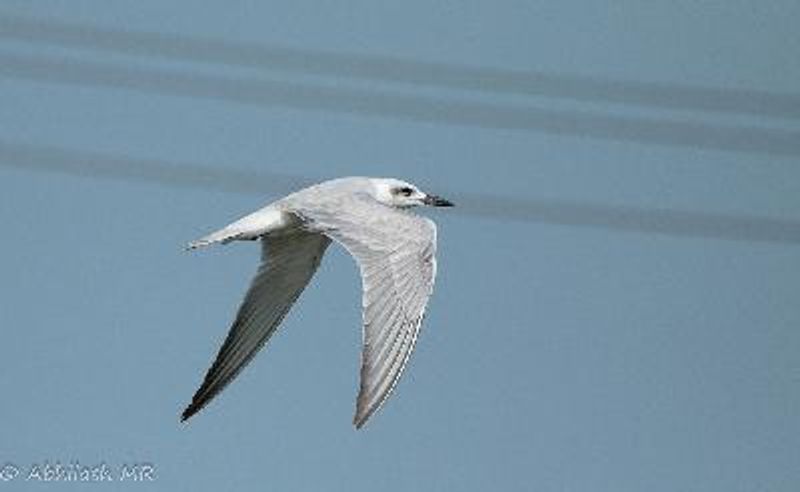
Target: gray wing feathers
[[396, 291], [288, 263], [395, 251]]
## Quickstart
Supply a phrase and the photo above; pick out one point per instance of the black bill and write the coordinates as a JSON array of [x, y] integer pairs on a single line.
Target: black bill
[[436, 201]]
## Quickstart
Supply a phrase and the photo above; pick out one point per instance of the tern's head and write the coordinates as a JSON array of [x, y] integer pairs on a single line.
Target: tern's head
[[400, 194]]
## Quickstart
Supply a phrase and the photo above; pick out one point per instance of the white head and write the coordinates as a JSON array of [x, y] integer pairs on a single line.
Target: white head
[[400, 194]]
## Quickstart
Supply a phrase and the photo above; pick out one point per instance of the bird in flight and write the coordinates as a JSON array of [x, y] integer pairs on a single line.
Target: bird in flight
[[394, 248]]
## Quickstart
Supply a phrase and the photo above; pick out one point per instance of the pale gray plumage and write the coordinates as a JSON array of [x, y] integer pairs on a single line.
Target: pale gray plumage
[[288, 261], [395, 251]]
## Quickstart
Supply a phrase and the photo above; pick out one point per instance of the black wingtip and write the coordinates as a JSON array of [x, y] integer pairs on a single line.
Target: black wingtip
[[360, 418], [188, 412]]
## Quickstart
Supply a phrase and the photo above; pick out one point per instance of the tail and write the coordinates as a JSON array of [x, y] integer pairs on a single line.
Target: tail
[[221, 236], [250, 227]]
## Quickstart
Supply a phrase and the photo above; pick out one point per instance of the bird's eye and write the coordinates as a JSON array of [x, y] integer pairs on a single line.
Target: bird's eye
[[405, 191]]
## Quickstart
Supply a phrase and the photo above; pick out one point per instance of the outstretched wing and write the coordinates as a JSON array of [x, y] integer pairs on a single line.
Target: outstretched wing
[[395, 251], [288, 261]]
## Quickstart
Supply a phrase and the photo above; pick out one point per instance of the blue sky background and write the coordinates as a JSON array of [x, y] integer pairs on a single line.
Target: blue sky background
[[553, 358]]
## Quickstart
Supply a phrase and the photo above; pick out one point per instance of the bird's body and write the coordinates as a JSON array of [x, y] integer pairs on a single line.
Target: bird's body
[[394, 248]]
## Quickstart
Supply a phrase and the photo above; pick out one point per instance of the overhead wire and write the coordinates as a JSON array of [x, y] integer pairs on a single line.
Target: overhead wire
[[256, 92], [396, 69], [558, 212]]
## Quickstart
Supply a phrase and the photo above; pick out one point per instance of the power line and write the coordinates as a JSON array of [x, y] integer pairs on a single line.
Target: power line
[[413, 108], [630, 219], [635, 219], [395, 69], [94, 165]]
